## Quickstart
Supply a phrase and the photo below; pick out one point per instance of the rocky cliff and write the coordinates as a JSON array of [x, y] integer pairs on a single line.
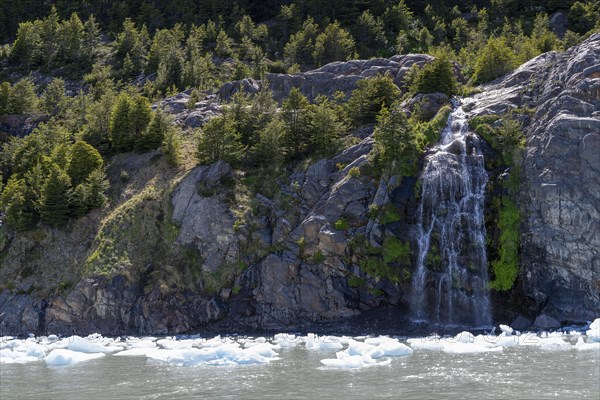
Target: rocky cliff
[[560, 192], [194, 250]]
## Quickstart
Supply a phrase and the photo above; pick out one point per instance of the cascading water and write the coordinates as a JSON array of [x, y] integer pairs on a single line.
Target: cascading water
[[450, 283]]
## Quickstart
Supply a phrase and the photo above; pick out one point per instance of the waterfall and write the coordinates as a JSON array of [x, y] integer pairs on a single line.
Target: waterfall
[[449, 286]]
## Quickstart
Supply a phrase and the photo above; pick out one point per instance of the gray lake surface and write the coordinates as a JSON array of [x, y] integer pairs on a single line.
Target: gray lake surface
[[520, 372]]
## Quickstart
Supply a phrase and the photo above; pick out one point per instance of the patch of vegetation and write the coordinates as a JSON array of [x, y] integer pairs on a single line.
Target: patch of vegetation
[[394, 250], [341, 224], [355, 281], [354, 172], [389, 214], [317, 258], [506, 267]]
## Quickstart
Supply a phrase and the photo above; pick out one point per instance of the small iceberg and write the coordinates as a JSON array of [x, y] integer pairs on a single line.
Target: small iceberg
[[60, 357]]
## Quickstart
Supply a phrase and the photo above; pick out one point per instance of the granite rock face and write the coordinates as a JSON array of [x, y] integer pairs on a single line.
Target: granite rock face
[[343, 76], [560, 194]]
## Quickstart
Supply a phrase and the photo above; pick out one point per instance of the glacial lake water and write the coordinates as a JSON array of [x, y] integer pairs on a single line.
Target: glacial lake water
[[518, 368]]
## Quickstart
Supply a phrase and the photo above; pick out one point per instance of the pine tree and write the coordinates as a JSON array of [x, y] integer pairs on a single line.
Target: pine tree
[[97, 185], [155, 133], [325, 127], [23, 99], [15, 202], [84, 159], [219, 140], [53, 98], [495, 60], [294, 115], [55, 197], [269, 150], [171, 146], [121, 129], [395, 142], [333, 44], [5, 96], [369, 97], [436, 76]]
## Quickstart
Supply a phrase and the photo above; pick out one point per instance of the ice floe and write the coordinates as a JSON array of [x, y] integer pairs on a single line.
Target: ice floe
[[350, 352], [60, 357]]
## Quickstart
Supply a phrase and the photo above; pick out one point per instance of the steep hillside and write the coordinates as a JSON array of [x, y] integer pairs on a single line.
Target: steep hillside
[[332, 241]]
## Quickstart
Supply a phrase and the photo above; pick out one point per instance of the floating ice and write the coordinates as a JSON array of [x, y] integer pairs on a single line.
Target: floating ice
[[286, 341], [353, 362], [426, 343], [61, 357], [226, 354], [314, 342], [594, 332], [394, 349], [554, 343], [507, 330], [582, 345], [468, 348], [79, 344]]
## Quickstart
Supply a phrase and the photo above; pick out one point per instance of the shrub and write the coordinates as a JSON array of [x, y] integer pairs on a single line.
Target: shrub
[[395, 250], [341, 224], [354, 172]]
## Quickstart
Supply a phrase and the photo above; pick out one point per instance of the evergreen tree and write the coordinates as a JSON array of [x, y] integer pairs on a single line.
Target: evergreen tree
[[53, 99], [84, 159], [171, 146], [27, 47], [5, 97], [334, 44], [325, 127], [96, 185], [369, 97], [495, 60], [223, 45], [436, 76], [269, 150], [70, 35], [23, 99], [129, 120], [153, 137], [15, 202], [369, 35], [294, 113], [90, 41], [121, 129], [54, 203], [301, 46], [395, 142], [219, 140]]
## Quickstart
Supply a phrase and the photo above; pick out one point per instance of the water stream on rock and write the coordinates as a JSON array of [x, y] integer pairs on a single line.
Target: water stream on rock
[[450, 283]]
